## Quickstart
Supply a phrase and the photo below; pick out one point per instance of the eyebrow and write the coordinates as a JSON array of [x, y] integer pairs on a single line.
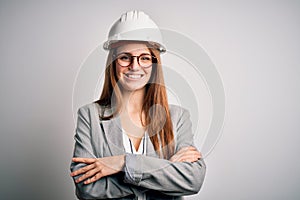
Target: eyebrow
[[124, 52]]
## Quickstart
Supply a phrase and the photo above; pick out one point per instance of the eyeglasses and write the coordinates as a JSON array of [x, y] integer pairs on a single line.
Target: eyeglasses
[[144, 60]]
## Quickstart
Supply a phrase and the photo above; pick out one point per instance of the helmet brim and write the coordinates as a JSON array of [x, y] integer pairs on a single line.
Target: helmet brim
[[111, 44]]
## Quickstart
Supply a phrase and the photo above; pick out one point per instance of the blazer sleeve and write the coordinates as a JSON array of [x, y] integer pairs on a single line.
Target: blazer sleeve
[[171, 178], [106, 187]]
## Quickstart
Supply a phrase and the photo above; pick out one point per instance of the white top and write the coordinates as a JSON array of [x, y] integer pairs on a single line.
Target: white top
[[129, 148]]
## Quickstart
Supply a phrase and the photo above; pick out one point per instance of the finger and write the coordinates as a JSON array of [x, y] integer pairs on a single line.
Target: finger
[[88, 174], [83, 170], [94, 178], [190, 157], [194, 155], [189, 148], [173, 158], [84, 160], [183, 149], [187, 152], [200, 155], [179, 156], [197, 154]]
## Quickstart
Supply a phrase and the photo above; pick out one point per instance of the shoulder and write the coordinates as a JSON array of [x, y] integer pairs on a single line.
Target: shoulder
[[178, 112], [182, 125], [87, 108], [94, 109], [90, 108]]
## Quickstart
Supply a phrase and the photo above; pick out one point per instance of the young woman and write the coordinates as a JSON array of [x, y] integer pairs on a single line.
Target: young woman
[[131, 144]]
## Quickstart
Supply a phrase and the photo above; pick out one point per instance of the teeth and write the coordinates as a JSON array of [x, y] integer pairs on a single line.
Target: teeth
[[134, 76]]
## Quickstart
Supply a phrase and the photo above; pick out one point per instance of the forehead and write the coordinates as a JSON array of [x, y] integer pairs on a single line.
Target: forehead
[[133, 48]]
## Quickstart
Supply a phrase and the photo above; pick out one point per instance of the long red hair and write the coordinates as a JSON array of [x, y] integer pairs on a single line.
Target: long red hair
[[155, 105]]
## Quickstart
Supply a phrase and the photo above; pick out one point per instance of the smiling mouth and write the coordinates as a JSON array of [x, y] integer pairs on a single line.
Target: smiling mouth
[[134, 76]]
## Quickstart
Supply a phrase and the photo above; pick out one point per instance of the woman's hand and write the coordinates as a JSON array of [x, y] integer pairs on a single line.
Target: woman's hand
[[186, 154], [98, 168]]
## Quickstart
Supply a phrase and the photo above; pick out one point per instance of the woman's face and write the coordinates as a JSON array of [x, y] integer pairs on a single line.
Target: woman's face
[[134, 76]]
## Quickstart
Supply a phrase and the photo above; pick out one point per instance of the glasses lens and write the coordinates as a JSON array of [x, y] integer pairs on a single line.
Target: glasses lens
[[124, 60], [145, 60]]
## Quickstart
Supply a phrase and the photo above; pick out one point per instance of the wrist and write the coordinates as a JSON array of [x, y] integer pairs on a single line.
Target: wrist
[[121, 162]]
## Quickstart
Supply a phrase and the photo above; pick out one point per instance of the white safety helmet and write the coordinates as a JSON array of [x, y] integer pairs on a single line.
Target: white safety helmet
[[135, 26]]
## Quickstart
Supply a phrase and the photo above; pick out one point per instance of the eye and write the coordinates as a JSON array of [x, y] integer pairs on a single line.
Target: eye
[[124, 57], [145, 58]]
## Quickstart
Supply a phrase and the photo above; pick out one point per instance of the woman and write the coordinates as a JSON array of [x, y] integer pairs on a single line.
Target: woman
[[130, 144]]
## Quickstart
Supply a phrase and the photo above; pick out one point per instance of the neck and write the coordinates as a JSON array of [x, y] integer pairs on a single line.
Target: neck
[[133, 100]]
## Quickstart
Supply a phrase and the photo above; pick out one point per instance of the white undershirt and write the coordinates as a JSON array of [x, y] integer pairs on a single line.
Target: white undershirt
[[129, 148]]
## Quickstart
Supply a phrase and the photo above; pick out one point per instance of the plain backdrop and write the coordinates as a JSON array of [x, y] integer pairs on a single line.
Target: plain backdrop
[[254, 45]]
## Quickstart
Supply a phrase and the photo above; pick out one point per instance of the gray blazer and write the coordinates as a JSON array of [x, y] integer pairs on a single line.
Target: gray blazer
[[157, 178]]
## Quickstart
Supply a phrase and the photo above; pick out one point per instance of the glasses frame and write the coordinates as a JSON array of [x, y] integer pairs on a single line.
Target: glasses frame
[[132, 58]]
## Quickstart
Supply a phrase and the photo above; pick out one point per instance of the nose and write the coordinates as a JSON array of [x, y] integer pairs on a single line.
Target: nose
[[134, 64]]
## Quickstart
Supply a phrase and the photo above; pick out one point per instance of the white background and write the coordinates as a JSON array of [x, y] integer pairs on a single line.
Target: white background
[[254, 45]]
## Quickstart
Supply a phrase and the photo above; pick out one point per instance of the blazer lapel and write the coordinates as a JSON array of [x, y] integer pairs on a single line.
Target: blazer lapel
[[113, 132]]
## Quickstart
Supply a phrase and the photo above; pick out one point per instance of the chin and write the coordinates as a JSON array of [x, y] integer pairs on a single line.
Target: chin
[[132, 86]]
